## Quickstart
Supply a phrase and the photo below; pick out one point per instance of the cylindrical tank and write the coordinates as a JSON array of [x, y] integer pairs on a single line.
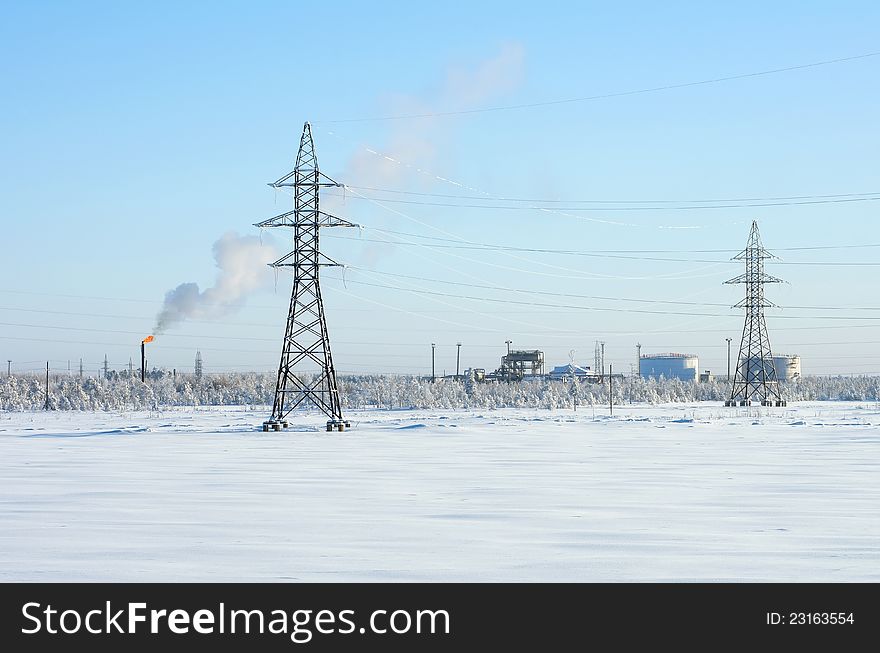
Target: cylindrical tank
[[670, 366], [788, 367]]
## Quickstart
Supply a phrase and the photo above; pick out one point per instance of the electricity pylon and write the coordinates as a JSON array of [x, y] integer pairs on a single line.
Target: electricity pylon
[[755, 375], [306, 343]]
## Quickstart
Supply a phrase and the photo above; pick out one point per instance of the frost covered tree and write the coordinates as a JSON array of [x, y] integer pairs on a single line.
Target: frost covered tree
[[124, 392]]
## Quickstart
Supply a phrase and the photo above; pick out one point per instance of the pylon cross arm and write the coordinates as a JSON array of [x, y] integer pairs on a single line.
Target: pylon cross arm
[[289, 261], [327, 181]]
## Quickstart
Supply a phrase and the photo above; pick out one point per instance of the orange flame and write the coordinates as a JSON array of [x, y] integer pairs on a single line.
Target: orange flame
[[147, 339]]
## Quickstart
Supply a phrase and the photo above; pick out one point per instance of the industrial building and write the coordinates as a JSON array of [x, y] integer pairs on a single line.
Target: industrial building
[[571, 371], [521, 363], [669, 366], [788, 367]]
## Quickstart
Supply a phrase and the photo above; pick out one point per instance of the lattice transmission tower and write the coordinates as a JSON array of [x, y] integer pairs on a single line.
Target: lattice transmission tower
[[306, 343], [755, 376]]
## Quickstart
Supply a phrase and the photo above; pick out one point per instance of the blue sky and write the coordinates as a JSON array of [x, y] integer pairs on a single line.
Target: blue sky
[[136, 136]]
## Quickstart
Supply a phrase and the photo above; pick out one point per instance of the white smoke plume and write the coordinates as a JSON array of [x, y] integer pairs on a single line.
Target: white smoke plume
[[241, 269], [470, 89], [417, 140], [420, 141], [241, 260]]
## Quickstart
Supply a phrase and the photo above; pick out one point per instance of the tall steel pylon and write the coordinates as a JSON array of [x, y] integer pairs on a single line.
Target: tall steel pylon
[[755, 375], [306, 342]]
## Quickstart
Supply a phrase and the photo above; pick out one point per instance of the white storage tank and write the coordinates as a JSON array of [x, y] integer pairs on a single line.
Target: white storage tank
[[788, 367], [669, 366]]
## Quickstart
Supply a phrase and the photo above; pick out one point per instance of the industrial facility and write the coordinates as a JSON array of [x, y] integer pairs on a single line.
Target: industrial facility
[[788, 367], [571, 371], [528, 364], [306, 339], [669, 366], [519, 364]]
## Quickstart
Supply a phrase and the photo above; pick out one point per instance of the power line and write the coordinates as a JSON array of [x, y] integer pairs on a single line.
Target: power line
[[617, 251], [435, 177], [593, 308], [535, 292], [428, 280], [199, 336], [617, 201], [457, 184], [495, 346], [582, 275], [129, 345], [539, 250], [501, 207], [91, 330], [787, 345], [273, 352], [599, 297], [61, 367], [653, 89]]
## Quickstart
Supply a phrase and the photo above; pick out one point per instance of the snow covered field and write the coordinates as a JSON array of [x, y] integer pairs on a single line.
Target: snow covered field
[[676, 492]]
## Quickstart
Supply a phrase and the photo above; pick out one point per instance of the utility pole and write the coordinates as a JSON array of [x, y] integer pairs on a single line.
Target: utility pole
[[198, 366], [457, 359], [728, 358], [47, 385], [639, 354], [433, 376], [610, 389], [8, 368], [602, 345], [306, 339]]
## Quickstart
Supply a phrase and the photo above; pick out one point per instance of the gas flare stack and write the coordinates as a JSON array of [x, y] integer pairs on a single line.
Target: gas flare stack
[[306, 342], [755, 376]]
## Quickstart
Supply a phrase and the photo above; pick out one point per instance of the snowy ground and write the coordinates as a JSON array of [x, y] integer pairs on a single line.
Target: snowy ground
[[683, 492]]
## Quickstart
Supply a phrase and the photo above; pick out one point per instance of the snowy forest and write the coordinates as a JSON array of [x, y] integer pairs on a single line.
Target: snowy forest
[[126, 392]]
